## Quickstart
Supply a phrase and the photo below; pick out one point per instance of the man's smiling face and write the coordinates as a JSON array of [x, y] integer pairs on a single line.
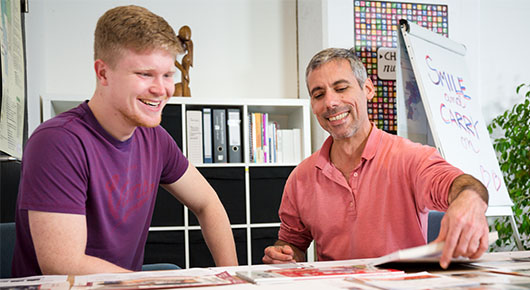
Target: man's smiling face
[[337, 100], [140, 86]]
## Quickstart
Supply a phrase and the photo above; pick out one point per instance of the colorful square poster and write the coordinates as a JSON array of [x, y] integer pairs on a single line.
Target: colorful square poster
[[376, 25]]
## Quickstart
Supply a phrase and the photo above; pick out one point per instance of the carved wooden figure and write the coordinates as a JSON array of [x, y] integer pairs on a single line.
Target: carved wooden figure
[[183, 88]]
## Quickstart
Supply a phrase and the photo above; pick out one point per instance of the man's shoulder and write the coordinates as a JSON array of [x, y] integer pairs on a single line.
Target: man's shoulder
[[66, 120], [68, 125], [307, 166], [402, 142], [403, 149]]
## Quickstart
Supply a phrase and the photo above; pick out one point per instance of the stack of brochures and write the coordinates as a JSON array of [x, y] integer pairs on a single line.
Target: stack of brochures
[[154, 280], [310, 272]]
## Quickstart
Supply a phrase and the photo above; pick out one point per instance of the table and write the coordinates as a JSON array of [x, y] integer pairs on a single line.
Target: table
[[504, 259]]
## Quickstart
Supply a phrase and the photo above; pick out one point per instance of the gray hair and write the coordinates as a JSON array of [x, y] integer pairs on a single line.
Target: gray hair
[[330, 54]]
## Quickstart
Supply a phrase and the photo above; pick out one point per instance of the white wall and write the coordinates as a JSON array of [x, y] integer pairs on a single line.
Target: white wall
[[494, 32], [504, 37], [321, 24], [242, 49], [247, 48]]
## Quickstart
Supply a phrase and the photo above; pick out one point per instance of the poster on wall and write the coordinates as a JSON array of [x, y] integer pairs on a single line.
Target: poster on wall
[[13, 77], [376, 25]]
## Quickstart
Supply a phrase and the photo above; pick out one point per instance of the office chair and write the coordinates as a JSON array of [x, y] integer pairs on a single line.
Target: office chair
[[7, 247], [159, 266], [433, 227]]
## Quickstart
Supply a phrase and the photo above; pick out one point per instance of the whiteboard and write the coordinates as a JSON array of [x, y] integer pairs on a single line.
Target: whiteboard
[[452, 108]]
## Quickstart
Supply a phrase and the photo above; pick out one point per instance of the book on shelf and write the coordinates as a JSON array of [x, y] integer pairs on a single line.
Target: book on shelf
[[207, 135], [194, 136], [422, 254], [273, 141], [234, 135], [297, 145], [219, 135], [279, 146], [271, 144], [287, 148], [257, 149], [311, 272], [265, 136]]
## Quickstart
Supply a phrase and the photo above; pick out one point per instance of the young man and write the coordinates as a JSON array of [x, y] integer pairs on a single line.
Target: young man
[[90, 175], [367, 193]]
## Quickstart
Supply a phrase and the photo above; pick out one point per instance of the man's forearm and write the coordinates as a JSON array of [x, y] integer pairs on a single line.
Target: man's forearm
[[467, 182], [218, 236], [82, 266]]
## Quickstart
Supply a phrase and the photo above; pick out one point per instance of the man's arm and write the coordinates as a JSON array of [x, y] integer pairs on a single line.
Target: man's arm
[[60, 241], [464, 227], [195, 192], [283, 252]]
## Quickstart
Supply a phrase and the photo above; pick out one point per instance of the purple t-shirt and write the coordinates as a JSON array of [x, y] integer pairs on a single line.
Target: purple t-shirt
[[72, 165]]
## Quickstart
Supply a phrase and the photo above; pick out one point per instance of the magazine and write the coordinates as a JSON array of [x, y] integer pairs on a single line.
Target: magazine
[[310, 272], [422, 280], [162, 282], [507, 267], [425, 253], [46, 282], [485, 277], [43, 286]]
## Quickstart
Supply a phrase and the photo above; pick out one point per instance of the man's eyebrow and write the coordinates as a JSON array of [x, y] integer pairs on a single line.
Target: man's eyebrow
[[152, 69], [341, 81], [315, 89], [338, 82]]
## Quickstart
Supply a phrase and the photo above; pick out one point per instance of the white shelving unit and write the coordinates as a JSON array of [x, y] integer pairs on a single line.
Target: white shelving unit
[[289, 113]]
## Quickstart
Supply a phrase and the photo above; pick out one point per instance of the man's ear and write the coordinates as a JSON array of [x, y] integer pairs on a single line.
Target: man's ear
[[368, 88], [101, 69]]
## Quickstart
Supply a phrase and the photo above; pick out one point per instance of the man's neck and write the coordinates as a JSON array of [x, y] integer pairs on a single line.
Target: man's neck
[[345, 154], [108, 119]]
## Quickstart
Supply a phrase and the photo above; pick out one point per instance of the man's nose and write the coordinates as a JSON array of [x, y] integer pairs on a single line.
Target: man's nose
[[332, 99], [157, 87]]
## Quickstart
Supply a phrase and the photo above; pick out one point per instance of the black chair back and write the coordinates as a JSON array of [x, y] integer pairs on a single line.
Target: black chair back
[[7, 247]]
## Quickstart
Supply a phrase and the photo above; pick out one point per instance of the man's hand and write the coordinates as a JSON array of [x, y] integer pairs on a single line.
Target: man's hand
[[282, 253], [464, 228], [279, 255]]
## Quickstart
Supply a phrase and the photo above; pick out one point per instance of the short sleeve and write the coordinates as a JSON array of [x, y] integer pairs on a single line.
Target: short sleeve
[[54, 173], [174, 162], [292, 229]]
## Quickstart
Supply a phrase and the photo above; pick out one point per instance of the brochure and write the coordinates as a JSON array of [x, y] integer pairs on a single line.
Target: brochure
[[426, 253], [162, 282], [43, 286], [308, 272], [46, 282], [422, 280]]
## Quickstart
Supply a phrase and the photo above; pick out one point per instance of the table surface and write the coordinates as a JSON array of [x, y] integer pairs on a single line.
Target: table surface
[[312, 284]]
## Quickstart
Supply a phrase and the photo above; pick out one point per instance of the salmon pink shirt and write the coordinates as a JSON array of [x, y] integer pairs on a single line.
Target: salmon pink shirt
[[382, 208]]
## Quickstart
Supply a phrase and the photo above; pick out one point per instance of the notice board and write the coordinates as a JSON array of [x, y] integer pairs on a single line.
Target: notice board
[[13, 90], [440, 107]]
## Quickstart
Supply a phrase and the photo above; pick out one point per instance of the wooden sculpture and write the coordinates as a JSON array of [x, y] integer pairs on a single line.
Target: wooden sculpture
[[183, 88]]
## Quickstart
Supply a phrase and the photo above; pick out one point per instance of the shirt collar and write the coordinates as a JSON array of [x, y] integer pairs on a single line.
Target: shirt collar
[[374, 139]]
